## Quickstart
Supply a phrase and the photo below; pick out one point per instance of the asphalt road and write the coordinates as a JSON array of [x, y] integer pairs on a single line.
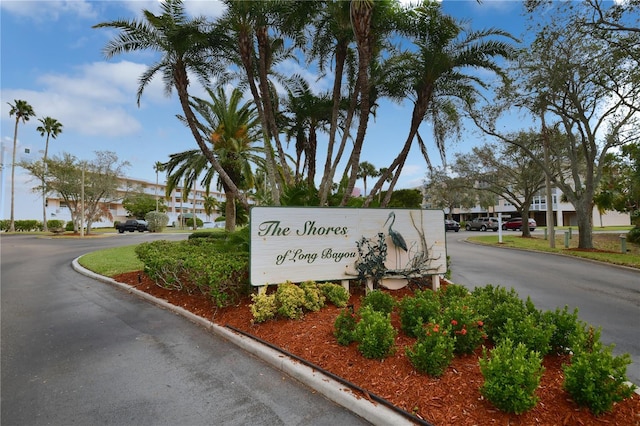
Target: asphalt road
[[76, 351], [606, 296]]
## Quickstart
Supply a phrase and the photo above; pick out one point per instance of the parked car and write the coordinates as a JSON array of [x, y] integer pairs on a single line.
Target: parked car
[[516, 224], [451, 225], [132, 225], [482, 224]]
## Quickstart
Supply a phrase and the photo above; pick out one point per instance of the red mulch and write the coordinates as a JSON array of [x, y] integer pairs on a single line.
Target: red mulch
[[453, 399]]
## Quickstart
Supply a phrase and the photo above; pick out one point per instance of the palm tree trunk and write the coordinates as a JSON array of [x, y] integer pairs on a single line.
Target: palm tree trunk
[[327, 178], [12, 224], [246, 49], [230, 212], [45, 228]]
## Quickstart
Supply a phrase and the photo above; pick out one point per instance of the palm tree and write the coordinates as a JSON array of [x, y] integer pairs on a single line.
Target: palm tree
[[435, 73], [366, 170], [52, 128], [157, 167], [23, 111], [232, 130], [186, 45]]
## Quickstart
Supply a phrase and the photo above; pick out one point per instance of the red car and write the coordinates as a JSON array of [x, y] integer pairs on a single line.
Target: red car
[[516, 224]]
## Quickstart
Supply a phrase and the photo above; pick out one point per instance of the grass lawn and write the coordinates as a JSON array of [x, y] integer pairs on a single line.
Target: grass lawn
[[607, 247]]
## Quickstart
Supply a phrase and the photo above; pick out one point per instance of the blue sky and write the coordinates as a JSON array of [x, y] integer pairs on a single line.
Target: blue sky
[[52, 58]]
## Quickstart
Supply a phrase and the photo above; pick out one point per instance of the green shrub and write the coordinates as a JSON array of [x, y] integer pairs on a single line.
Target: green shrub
[[374, 333], [433, 351], [496, 305], [335, 294], [565, 324], [4, 224], [290, 300], [466, 326], [189, 222], [633, 236], [27, 225], [595, 378], [344, 327], [423, 307], [528, 331], [313, 297], [55, 224], [197, 265], [511, 376], [379, 301], [156, 221], [452, 292], [69, 226], [263, 307]]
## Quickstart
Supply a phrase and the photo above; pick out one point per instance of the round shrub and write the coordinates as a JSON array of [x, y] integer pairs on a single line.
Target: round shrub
[[374, 333], [379, 301], [511, 376]]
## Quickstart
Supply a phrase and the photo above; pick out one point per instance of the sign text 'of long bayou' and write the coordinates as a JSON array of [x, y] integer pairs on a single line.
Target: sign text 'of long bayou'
[[321, 244]]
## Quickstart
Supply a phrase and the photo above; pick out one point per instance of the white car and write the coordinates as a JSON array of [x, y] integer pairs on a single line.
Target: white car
[[212, 225]]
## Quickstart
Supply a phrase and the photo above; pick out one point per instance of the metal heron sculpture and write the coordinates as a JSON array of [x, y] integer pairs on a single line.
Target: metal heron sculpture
[[396, 238]]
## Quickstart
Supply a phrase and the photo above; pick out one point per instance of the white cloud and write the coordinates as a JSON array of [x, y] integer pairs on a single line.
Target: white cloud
[[49, 10]]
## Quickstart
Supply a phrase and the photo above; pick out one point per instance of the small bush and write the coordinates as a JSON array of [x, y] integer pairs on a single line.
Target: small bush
[[335, 294], [511, 376], [156, 221], [566, 326], [423, 307], [263, 307], [595, 378], [528, 331], [189, 223], [466, 326], [496, 305], [379, 301], [313, 297], [55, 224], [69, 226], [633, 236], [452, 292], [290, 300], [433, 351], [344, 327], [374, 333]]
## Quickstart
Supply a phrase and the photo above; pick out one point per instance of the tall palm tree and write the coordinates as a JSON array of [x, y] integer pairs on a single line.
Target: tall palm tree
[[23, 111], [186, 45], [52, 128], [157, 167], [435, 70], [332, 40], [366, 169]]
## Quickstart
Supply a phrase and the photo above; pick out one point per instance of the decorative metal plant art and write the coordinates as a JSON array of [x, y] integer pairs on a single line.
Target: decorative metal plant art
[[372, 256]]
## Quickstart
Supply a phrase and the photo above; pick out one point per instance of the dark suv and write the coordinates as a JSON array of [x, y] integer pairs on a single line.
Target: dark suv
[[482, 224]]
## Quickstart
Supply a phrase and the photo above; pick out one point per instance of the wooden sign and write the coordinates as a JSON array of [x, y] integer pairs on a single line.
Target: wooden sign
[[321, 244]]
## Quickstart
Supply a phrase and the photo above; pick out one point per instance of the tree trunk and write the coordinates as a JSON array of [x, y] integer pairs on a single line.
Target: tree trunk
[[584, 214], [264, 58], [246, 51], [230, 212], [12, 223], [45, 228], [327, 177]]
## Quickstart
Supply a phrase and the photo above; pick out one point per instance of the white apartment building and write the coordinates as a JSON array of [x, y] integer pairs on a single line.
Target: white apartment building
[[175, 202], [563, 212]]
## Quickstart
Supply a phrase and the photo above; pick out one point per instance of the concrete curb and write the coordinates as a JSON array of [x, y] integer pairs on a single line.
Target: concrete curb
[[375, 413]]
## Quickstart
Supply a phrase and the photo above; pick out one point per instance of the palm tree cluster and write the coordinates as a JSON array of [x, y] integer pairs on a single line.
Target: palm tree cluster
[[50, 127], [369, 50]]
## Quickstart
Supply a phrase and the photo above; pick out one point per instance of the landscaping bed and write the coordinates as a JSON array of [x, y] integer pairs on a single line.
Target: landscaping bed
[[453, 398]]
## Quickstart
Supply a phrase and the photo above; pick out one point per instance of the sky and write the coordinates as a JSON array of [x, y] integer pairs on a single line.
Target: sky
[[52, 58]]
